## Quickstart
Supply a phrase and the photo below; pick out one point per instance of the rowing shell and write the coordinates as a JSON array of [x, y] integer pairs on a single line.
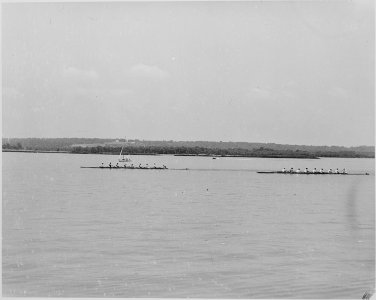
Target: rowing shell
[[115, 168], [302, 173]]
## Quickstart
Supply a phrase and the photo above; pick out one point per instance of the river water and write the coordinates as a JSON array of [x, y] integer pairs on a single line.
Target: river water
[[218, 230]]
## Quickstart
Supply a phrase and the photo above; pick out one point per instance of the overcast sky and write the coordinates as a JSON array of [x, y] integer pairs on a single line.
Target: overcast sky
[[282, 72]]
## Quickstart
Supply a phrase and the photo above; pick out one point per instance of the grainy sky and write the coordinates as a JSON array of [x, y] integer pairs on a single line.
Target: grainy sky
[[285, 72]]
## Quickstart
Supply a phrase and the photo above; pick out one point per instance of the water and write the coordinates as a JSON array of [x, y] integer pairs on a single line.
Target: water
[[218, 231]]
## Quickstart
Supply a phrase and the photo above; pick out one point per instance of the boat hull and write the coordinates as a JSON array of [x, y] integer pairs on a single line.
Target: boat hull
[[123, 168], [309, 173]]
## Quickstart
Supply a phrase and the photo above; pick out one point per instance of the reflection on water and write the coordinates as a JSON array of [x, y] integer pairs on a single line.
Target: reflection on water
[[352, 215], [99, 233]]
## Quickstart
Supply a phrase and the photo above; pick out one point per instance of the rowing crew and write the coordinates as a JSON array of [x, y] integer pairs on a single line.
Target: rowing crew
[[315, 171], [133, 167]]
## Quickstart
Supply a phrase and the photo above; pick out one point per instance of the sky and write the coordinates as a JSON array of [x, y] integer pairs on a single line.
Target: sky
[[289, 72]]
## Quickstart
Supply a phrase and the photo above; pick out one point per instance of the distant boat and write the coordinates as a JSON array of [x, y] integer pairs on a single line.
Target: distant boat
[[308, 173], [124, 158]]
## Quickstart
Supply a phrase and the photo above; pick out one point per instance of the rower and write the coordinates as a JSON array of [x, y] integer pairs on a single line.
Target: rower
[[102, 165], [344, 171], [330, 171], [298, 170], [306, 170], [337, 172], [292, 170], [321, 170], [117, 165], [110, 165], [284, 170], [314, 171]]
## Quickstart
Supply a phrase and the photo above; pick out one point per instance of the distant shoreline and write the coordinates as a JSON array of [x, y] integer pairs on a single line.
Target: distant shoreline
[[33, 151], [181, 148], [155, 154], [163, 154], [244, 156]]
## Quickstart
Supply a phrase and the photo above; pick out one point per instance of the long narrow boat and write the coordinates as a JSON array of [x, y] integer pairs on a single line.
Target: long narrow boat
[[308, 173], [127, 168]]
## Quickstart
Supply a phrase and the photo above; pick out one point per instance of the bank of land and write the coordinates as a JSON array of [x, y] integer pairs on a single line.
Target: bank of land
[[188, 148]]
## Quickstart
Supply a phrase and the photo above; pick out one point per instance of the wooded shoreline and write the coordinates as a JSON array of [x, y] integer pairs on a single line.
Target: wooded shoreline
[[191, 155], [181, 148]]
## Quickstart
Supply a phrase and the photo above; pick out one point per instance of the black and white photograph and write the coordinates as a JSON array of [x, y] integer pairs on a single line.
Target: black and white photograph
[[188, 149]]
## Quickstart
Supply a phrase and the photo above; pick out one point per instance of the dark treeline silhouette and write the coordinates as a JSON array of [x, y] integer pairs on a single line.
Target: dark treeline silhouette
[[17, 146], [133, 150], [111, 146], [51, 144]]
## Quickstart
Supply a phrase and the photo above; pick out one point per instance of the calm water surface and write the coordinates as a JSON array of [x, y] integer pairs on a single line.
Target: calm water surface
[[218, 231]]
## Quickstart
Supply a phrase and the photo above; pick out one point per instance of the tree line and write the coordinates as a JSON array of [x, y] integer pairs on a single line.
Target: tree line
[[199, 151], [111, 146]]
